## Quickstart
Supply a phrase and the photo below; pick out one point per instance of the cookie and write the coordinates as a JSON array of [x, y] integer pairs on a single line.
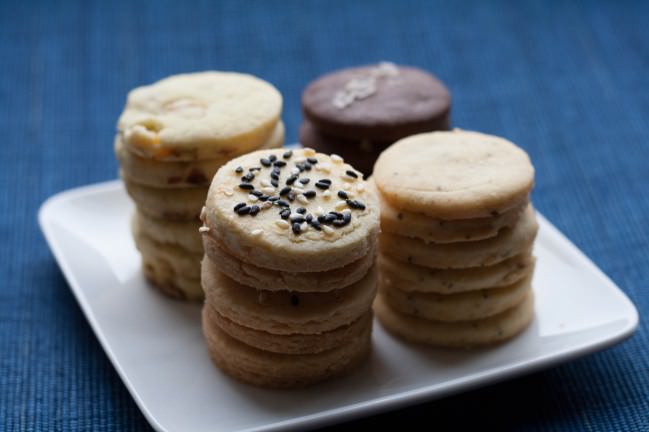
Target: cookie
[[510, 242], [413, 278], [418, 225], [468, 306], [150, 172], [274, 280], [465, 334], [179, 233], [454, 175], [206, 115], [273, 370], [293, 211], [383, 102], [285, 312], [171, 204], [293, 343]]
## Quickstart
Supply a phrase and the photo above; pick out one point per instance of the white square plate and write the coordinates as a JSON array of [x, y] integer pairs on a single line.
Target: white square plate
[[157, 348]]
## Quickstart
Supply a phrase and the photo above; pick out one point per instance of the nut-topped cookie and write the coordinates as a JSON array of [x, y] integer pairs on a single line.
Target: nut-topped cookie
[[292, 210]]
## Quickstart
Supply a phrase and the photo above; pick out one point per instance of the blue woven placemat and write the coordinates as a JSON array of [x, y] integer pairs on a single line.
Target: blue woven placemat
[[568, 81]]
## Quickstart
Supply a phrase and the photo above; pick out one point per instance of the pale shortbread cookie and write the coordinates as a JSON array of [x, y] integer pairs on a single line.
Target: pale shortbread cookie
[[468, 306], [294, 343], [465, 334], [151, 172], [273, 370], [172, 204], [206, 115], [510, 242], [256, 232], [410, 277], [454, 175], [283, 312], [405, 223], [179, 233], [274, 280]]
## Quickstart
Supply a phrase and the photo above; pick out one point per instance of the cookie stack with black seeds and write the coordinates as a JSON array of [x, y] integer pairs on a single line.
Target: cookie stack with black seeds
[[458, 229], [358, 112], [172, 137], [289, 273]]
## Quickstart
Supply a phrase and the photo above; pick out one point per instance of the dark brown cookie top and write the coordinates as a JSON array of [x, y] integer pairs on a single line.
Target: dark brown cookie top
[[381, 102]]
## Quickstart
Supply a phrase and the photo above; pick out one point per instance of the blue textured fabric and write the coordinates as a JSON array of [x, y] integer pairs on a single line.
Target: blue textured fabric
[[568, 81]]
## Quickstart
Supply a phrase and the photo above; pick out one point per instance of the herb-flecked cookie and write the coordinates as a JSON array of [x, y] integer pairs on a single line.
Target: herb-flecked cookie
[[292, 210]]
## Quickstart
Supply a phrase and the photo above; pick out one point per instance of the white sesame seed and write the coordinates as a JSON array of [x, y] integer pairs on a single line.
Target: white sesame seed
[[204, 229], [309, 151], [336, 158], [203, 213], [295, 171], [228, 192], [282, 223], [326, 194], [327, 229], [252, 198], [319, 211], [340, 205], [324, 167], [257, 232], [297, 189], [268, 190], [304, 227], [267, 205], [265, 183], [347, 178], [302, 199], [299, 160], [360, 187], [295, 214]]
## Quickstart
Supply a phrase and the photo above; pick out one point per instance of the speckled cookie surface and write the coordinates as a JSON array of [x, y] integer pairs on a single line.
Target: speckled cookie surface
[[466, 334], [203, 115], [283, 312], [172, 204], [383, 102], [273, 370], [294, 343], [468, 306], [414, 278], [181, 174], [179, 233], [510, 242], [274, 280], [454, 175], [294, 211]]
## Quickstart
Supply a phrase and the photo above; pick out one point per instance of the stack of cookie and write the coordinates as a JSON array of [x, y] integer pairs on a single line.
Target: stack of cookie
[[456, 259], [173, 136], [289, 271], [358, 112]]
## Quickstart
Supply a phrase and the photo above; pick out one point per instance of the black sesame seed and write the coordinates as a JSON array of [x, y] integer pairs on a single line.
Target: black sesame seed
[[296, 230], [347, 217], [307, 166], [238, 206], [343, 195], [284, 191], [300, 166], [243, 210], [355, 204], [330, 218], [274, 175], [254, 210], [316, 225], [336, 214], [297, 219], [279, 164], [309, 194], [274, 182], [273, 199], [305, 180], [256, 193], [248, 177], [282, 203], [239, 170], [351, 173], [325, 181], [265, 162], [290, 196], [308, 218], [312, 160], [322, 218], [285, 213], [263, 197], [254, 169], [246, 186], [291, 179], [295, 300], [301, 210], [272, 158], [321, 185], [288, 154]]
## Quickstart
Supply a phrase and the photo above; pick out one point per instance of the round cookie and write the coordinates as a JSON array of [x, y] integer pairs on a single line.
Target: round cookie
[[206, 115], [162, 276], [171, 204], [274, 280], [267, 229], [454, 175], [273, 370], [465, 334], [283, 312], [183, 174], [510, 242], [468, 306], [414, 278], [381, 102], [294, 343], [179, 233], [408, 224]]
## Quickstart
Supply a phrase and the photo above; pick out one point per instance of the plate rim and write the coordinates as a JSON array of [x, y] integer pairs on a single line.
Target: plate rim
[[359, 409]]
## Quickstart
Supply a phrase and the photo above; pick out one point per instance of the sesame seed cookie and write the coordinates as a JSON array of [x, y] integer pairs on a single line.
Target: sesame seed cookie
[[454, 175], [462, 334], [182, 174], [180, 233], [510, 242], [466, 306], [285, 312], [294, 211], [293, 343], [414, 278], [274, 280], [205, 115], [171, 204], [273, 370]]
